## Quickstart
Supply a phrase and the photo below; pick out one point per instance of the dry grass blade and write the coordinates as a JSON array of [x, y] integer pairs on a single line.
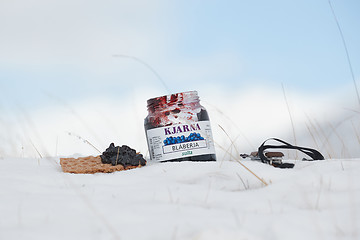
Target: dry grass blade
[[345, 149], [117, 156], [346, 51], [146, 65], [36, 149], [245, 186], [326, 141], [232, 142], [291, 118], [312, 135], [229, 149], [84, 141], [333, 131], [355, 131], [238, 160], [312, 130], [231, 121]]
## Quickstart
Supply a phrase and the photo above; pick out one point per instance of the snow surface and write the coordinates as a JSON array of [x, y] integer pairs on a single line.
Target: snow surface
[[183, 200]]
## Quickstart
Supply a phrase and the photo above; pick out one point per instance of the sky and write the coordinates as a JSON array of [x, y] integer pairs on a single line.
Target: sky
[[62, 59]]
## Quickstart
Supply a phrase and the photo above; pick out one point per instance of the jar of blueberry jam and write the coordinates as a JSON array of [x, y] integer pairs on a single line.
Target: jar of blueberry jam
[[178, 129]]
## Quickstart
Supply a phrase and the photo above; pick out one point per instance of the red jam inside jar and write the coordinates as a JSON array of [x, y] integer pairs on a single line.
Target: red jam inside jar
[[178, 129]]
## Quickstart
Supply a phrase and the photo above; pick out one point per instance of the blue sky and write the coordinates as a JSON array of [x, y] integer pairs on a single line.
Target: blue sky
[[62, 52], [67, 45]]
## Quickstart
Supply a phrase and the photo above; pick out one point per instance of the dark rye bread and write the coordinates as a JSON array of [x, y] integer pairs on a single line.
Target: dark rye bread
[[90, 165]]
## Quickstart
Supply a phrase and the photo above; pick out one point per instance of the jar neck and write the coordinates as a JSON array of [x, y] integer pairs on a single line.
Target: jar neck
[[168, 101]]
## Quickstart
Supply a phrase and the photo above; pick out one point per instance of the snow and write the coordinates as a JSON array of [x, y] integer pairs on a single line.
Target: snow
[[180, 200]]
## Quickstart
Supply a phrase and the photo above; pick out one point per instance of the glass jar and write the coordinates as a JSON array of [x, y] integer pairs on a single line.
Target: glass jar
[[178, 129]]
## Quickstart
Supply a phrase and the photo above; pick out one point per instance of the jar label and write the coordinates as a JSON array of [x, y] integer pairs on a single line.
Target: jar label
[[180, 140]]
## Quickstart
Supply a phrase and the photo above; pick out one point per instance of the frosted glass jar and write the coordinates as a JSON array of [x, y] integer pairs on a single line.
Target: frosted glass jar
[[178, 129]]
